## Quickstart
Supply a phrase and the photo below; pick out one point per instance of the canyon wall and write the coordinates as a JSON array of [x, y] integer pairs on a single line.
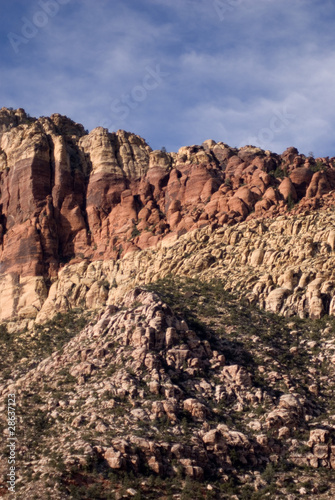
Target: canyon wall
[[71, 199]]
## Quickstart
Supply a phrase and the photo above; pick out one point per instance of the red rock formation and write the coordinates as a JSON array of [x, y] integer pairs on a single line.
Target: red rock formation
[[287, 190], [66, 194]]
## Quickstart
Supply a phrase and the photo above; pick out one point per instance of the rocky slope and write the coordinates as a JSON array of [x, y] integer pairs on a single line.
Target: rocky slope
[[181, 391], [167, 318]]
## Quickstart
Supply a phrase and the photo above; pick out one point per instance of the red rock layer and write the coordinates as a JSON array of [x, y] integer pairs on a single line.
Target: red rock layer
[[66, 194]]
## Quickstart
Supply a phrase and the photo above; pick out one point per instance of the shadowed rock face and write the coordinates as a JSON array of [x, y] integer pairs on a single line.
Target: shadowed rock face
[[66, 195]]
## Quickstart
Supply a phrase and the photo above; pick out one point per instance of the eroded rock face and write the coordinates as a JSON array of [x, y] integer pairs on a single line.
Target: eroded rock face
[[70, 196], [285, 265]]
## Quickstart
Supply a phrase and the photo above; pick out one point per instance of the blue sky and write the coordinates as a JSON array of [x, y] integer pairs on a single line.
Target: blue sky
[[177, 72]]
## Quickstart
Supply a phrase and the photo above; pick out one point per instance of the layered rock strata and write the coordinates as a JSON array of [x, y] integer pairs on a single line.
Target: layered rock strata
[[285, 265], [69, 196]]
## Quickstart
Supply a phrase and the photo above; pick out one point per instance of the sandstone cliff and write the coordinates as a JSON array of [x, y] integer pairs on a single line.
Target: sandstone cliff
[[67, 196], [167, 320]]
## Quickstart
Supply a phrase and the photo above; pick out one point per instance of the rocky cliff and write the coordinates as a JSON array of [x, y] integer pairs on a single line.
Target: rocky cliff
[[167, 320], [68, 196]]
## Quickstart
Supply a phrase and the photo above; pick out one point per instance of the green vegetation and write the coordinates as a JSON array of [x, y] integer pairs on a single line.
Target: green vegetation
[[319, 166], [279, 173], [24, 349], [290, 202], [135, 232]]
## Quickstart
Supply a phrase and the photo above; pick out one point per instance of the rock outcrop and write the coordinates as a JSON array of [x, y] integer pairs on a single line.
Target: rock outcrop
[[284, 265], [68, 196]]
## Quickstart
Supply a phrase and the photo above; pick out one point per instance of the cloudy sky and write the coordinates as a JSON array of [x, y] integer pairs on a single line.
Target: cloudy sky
[[177, 72]]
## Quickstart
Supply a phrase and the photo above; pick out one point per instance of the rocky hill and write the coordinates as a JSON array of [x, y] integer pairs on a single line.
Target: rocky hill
[[182, 391], [167, 318]]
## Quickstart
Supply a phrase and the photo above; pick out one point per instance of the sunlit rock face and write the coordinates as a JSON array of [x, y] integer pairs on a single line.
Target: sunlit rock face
[[69, 197]]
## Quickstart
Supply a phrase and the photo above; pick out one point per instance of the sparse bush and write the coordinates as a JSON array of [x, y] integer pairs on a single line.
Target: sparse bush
[[319, 166], [290, 202], [135, 232]]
